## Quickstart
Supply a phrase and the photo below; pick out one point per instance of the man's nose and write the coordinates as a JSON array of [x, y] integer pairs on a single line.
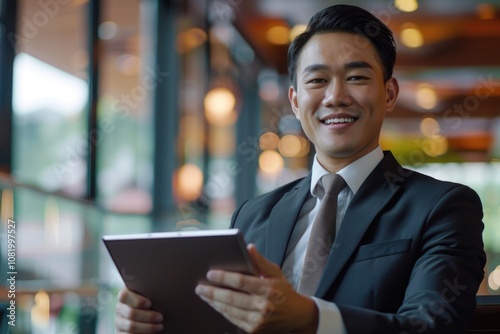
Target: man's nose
[[337, 95]]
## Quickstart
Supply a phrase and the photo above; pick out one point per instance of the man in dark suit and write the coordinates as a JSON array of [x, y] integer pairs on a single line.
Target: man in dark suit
[[407, 255]]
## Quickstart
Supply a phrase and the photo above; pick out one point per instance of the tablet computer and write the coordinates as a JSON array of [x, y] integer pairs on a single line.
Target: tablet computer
[[166, 267]]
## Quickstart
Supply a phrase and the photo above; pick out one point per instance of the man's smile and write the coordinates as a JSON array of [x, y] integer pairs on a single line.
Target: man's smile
[[337, 120], [334, 119]]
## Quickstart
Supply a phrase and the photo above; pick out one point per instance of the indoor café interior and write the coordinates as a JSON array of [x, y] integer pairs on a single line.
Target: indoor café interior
[[126, 117]]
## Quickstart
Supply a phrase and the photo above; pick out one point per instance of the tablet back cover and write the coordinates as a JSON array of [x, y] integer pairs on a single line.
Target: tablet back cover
[[166, 267]]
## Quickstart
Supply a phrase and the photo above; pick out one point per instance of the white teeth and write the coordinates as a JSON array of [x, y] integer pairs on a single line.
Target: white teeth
[[339, 120]]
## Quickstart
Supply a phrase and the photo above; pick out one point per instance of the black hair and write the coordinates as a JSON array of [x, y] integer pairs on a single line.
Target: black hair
[[351, 19]]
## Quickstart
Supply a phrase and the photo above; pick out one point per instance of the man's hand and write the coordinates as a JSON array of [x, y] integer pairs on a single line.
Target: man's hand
[[265, 304], [133, 314]]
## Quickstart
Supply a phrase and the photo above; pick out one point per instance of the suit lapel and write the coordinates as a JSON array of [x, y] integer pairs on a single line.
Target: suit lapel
[[373, 195], [282, 220]]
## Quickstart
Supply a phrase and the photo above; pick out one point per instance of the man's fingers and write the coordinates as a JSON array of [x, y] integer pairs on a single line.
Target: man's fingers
[[134, 316], [127, 326], [134, 300], [139, 315], [229, 297], [234, 300], [240, 282], [129, 320]]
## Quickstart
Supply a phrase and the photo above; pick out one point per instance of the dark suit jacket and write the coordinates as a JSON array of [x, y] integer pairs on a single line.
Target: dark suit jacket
[[408, 257]]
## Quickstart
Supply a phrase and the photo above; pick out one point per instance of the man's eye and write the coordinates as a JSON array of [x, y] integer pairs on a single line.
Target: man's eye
[[356, 78], [317, 80]]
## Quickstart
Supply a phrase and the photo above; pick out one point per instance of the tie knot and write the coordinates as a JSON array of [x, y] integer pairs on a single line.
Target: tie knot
[[333, 184]]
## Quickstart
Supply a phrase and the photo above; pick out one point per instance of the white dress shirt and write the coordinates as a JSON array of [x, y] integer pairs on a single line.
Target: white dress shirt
[[330, 319]]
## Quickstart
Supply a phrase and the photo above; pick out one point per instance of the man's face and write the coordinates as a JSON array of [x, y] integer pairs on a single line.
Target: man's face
[[341, 97]]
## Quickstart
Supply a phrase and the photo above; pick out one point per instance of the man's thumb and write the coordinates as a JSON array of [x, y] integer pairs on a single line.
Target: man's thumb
[[264, 267]]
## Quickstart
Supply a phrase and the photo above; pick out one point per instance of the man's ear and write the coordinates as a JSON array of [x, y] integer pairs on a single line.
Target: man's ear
[[391, 94], [292, 96]]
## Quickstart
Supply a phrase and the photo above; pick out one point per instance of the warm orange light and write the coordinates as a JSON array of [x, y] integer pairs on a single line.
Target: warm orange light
[[40, 313], [189, 182], [271, 162], [486, 11], [219, 107], [190, 39], [435, 146], [289, 146], [429, 127], [279, 35], [426, 96], [7, 205], [411, 36], [406, 5], [269, 141]]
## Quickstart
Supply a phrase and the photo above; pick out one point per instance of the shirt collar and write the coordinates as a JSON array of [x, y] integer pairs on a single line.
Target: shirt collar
[[354, 174]]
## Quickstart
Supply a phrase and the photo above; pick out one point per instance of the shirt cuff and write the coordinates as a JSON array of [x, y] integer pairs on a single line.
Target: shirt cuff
[[329, 320]]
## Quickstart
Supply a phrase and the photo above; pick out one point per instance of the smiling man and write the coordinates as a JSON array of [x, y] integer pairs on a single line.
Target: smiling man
[[340, 96], [396, 252]]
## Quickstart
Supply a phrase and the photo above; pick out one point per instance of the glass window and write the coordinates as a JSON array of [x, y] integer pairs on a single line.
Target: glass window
[[50, 96], [124, 145]]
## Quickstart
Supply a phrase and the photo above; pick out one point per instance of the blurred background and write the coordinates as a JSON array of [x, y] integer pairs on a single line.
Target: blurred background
[[132, 116]]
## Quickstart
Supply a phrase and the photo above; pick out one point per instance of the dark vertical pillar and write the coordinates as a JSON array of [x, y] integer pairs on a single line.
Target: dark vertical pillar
[[88, 317], [165, 105], [247, 137], [93, 82], [8, 16]]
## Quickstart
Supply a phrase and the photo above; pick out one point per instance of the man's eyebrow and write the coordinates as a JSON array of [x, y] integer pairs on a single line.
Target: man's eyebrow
[[351, 65], [357, 64], [315, 67]]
